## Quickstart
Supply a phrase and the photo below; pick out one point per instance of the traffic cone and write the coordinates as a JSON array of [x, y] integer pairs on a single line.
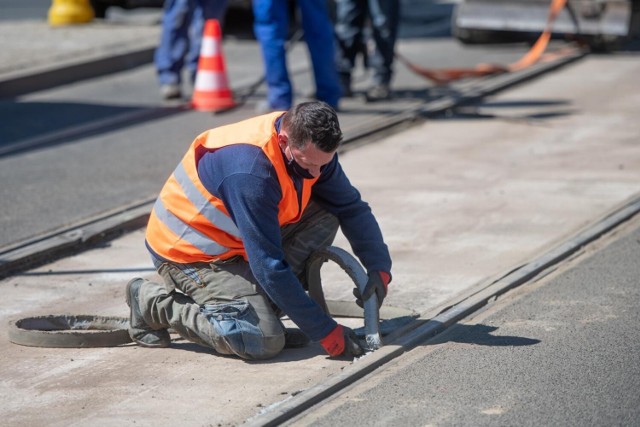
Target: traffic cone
[[211, 91], [65, 12]]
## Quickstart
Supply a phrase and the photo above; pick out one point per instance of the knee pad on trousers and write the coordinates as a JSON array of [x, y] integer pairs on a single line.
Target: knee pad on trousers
[[236, 323]]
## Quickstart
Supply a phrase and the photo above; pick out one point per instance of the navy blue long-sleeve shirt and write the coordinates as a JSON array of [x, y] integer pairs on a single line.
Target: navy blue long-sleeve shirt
[[244, 179]]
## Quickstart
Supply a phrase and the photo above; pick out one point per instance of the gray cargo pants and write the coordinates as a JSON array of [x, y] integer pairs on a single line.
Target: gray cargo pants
[[220, 305]]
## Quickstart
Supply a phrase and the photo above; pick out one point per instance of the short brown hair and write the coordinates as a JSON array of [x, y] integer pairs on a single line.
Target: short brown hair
[[313, 121]]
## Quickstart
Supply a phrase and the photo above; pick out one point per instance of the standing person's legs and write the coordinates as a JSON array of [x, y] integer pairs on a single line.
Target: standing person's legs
[[350, 16], [196, 30], [174, 44], [385, 15], [271, 25], [318, 33], [203, 11]]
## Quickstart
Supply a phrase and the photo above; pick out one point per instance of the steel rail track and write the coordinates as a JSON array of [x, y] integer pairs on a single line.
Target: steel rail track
[[29, 253], [440, 318]]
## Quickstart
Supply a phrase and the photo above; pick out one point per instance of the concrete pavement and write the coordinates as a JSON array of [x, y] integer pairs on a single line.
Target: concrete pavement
[[461, 202], [36, 56]]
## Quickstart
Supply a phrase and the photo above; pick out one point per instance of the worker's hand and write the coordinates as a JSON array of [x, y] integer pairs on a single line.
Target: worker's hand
[[342, 341], [378, 283]]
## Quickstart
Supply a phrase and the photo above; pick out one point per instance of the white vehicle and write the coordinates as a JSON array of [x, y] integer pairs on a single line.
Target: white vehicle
[[603, 24]]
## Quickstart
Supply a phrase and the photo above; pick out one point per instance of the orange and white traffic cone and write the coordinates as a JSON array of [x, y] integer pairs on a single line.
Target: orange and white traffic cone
[[211, 90]]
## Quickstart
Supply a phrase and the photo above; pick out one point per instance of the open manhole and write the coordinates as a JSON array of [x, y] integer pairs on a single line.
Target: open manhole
[[70, 331]]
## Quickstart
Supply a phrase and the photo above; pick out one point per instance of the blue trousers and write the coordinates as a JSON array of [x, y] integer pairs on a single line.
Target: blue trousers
[[271, 27], [351, 18], [181, 38]]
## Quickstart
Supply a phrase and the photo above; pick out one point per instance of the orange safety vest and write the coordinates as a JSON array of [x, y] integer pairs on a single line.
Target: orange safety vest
[[189, 224]]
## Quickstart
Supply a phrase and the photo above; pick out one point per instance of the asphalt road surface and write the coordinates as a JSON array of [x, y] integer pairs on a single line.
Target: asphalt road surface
[[563, 351]]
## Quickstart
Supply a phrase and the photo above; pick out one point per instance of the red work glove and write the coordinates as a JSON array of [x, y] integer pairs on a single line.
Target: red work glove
[[378, 282], [342, 341]]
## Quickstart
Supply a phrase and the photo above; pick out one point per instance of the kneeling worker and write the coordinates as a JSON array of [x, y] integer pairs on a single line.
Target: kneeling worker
[[232, 230]]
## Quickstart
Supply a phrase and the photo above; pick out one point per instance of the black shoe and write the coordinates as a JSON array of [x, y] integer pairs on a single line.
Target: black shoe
[[139, 331], [379, 92], [295, 338], [345, 85]]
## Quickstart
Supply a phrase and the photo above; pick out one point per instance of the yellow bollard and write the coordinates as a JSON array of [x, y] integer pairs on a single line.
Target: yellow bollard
[[65, 12]]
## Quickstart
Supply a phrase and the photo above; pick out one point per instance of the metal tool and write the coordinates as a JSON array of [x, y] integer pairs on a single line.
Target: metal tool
[[359, 276]]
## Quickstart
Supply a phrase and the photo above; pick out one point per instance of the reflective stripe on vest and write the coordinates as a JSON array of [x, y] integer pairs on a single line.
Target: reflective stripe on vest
[[189, 224], [197, 239], [209, 211]]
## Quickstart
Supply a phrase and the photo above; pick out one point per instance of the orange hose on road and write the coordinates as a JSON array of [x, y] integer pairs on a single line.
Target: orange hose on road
[[447, 75]]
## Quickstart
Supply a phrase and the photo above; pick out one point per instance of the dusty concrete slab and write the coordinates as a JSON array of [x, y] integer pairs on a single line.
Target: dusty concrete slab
[[33, 45], [459, 201]]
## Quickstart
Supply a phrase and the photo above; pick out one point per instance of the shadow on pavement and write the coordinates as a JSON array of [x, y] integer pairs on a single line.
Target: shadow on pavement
[[480, 335], [475, 114], [287, 355], [56, 123], [544, 110], [37, 118]]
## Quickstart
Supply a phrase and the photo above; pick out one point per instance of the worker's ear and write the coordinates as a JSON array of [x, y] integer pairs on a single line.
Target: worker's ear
[[283, 140]]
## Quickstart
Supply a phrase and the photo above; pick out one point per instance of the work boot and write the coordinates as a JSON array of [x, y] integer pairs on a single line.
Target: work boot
[[171, 91], [379, 92], [263, 107], [345, 86], [295, 338], [139, 330]]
